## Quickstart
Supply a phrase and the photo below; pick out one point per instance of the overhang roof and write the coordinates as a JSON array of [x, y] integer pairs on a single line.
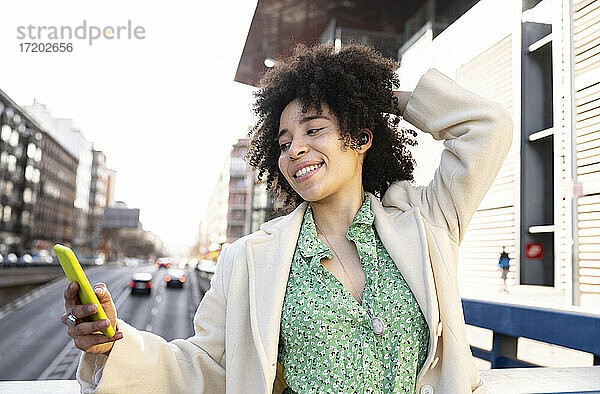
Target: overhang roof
[[278, 25]]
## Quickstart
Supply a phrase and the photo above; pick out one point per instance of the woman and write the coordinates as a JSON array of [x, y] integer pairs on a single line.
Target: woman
[[348, 292]]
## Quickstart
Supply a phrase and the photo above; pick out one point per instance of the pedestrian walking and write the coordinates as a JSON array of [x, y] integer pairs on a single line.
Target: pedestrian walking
[[504, 266], [356, 288]]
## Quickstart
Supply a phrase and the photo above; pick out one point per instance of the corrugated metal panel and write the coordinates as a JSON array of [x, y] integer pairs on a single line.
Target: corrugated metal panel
[[494, 224], [586, 52], [588, 233], [586, 35]]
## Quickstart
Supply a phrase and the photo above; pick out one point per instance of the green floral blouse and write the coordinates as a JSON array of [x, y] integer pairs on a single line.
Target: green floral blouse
[[326, 341]]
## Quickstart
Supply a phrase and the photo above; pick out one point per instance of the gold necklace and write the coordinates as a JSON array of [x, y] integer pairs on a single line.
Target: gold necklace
[[377, 324]]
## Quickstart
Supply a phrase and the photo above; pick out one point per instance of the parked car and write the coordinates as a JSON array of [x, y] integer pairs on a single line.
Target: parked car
[[207, 266], [41, 257], [175, 278], [141, 282], [9, 261], [25, 259], [11, 258]]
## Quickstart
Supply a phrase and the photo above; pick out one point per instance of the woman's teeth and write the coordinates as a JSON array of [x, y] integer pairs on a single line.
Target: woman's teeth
[[304, 170]]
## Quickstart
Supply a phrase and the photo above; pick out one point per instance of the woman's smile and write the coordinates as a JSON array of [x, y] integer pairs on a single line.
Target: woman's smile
[[306, 171]]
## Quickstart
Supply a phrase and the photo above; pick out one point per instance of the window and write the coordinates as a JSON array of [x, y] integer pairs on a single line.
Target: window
[[8, 188], [238, 183], [260, 196], [6, 214], [27, 195], [29, 173], [51, 190], [14, 138], [12, 163], [237, 199], [31, 150], [6, 133], [26, 218], [236, 231], [238, 214]]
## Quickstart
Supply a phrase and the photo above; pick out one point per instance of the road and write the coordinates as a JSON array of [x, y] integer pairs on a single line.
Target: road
[[34, 344]]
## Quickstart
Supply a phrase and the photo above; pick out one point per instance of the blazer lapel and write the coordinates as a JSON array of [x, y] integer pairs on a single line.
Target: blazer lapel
[[269, 259], [403, 234]]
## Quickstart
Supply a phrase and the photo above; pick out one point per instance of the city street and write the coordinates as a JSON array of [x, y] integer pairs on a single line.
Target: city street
[[34, 344]]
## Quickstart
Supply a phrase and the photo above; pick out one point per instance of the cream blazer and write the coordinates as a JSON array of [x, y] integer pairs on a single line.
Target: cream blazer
[[234, 349]]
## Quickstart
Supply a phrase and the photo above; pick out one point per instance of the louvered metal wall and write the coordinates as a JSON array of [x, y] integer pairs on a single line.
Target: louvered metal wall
[[563, 141], [586, 52], [490, 74]]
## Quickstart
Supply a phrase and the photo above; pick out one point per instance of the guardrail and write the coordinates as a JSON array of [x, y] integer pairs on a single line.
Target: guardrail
[[509, 322], [10, 277]]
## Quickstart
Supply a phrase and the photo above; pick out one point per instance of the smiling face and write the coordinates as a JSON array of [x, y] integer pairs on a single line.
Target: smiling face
[[312, 157]]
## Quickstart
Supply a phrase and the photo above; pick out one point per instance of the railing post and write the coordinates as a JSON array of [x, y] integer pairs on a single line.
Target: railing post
[[504, 350]]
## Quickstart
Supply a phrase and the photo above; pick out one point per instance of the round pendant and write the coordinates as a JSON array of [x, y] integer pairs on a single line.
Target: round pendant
[[377, 325]]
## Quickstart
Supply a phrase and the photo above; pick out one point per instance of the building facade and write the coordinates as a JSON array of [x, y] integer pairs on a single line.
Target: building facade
[[239, 199], [123, 234], [69, 136], [54, 208], [261, 205], [541, 61], [20, 157], [97, 200], [213, 228]]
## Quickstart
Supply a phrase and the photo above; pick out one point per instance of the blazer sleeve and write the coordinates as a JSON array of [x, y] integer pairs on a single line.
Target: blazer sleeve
[[477, 135], [145, 362]]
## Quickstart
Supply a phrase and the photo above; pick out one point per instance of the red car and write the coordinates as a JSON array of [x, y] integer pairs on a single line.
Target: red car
[[163, 264]]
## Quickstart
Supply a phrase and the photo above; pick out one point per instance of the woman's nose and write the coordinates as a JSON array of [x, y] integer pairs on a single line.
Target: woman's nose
[[297, 148]]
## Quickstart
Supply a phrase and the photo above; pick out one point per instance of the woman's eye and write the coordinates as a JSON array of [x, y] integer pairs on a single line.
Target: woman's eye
[[312, 131], [284, 146]]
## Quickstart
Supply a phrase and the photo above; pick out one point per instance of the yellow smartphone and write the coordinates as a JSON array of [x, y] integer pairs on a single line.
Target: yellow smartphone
[[74, 272]]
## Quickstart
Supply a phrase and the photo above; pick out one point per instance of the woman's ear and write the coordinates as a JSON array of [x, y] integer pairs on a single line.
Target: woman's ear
[[365, 140]]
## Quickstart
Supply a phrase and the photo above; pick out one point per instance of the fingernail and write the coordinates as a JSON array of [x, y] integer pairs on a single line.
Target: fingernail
[[91, 308], [118, 335], [103, 323], [72, 285], [99, 290]]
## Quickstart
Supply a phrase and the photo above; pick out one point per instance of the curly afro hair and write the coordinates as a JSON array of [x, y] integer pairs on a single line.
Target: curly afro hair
[[356, 83]]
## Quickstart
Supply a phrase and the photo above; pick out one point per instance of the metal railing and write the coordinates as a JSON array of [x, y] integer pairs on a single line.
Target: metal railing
[[574, 330], [498, 381], [509, 322]]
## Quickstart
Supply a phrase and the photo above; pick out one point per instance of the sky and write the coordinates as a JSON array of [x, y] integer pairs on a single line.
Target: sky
[[164, 108]]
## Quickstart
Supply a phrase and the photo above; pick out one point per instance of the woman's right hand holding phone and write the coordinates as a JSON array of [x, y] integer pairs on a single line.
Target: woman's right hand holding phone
[[86, 332]]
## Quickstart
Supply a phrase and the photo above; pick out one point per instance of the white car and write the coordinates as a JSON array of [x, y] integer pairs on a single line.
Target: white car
[[207, 266]]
